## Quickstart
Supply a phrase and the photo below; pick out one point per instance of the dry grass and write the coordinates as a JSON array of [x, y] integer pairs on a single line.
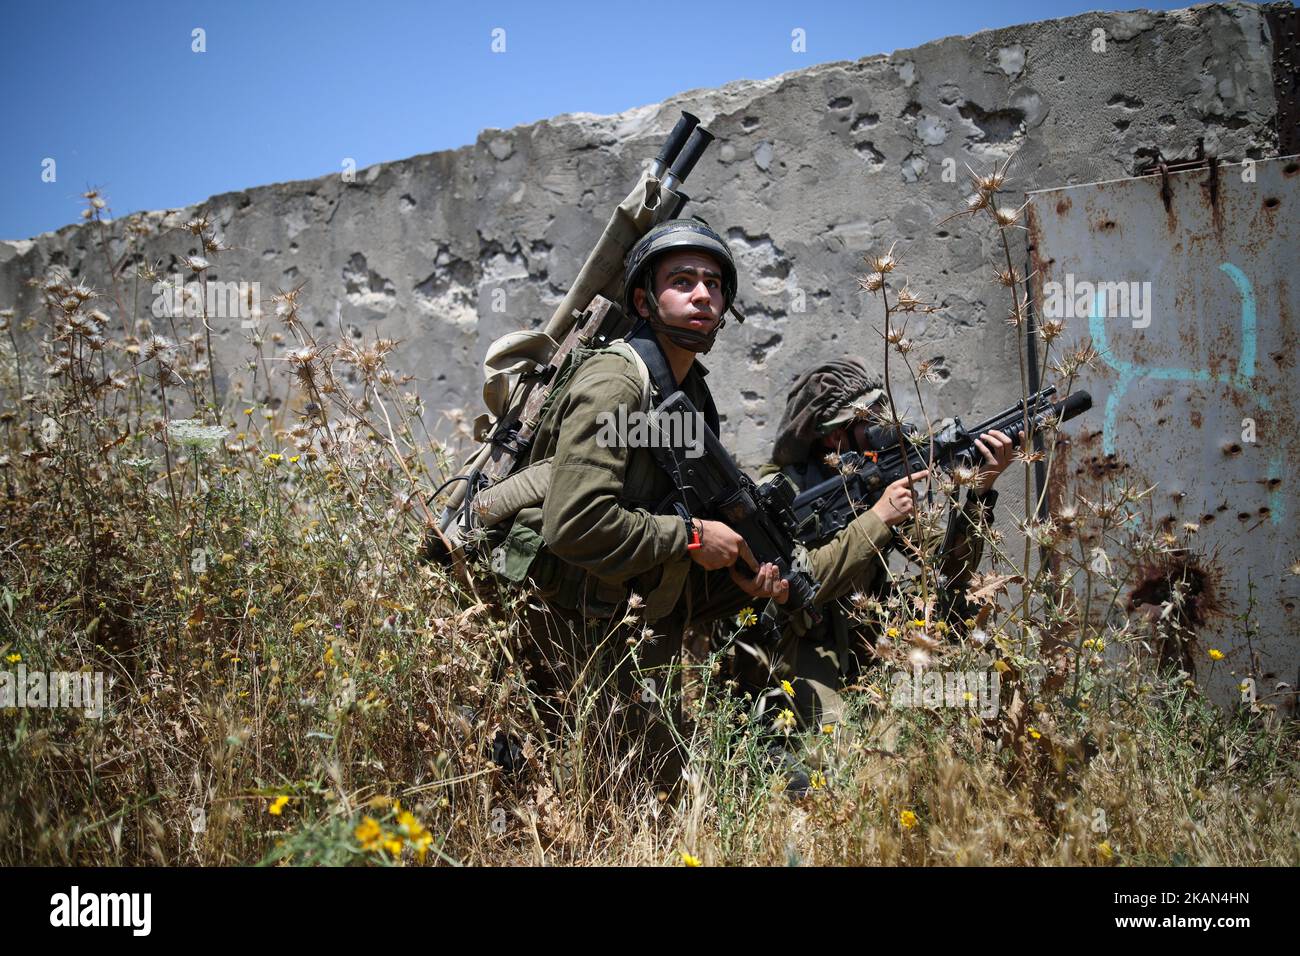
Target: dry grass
[[256, 600]]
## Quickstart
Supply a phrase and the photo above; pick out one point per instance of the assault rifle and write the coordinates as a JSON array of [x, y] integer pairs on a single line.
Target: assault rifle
[[827, 508], [712, 486]]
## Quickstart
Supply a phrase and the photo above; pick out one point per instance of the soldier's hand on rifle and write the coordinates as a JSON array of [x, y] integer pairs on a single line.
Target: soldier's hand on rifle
[[720, 546], [767, 583], [997, 450], [899, 500]]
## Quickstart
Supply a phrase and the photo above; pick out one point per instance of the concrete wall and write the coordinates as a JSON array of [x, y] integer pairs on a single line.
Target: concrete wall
[[810, 171]]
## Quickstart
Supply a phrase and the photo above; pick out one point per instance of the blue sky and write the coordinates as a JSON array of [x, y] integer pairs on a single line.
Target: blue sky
[[115, 95]]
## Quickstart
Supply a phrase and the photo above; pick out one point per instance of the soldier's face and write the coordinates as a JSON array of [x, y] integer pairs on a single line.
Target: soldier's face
[[854, 437], [688, 291]]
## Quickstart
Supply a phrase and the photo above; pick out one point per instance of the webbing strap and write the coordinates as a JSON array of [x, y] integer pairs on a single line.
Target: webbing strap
[[646, 343]]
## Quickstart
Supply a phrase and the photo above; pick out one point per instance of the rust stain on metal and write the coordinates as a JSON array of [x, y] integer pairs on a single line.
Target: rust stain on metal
[[1211, 188], [1177, 595], [1195, 394]]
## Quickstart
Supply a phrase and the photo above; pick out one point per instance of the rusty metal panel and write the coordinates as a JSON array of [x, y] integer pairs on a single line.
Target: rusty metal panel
[[1188, 285]]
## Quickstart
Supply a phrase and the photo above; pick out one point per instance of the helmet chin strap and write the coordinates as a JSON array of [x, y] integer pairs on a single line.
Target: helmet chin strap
[[689, 339]]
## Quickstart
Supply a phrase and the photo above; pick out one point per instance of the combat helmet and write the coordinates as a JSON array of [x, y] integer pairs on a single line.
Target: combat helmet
[[669, 236]]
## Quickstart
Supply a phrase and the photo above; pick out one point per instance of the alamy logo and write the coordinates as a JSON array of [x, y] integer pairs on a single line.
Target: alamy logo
[[103, 909], [652, 429], [213, 299], [79, 690], [1110, 300], [977, 690]]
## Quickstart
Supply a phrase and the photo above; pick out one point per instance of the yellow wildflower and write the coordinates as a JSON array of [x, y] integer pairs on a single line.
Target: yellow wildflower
[[272, 458], [746, 617], [421, 842], [329, 655], [828, 728], [1216, 654], [368, 834], [14, 658], [1104, 851], [277, 806], [787, 687], [1033, 732], [294, 459], [688, 860], [891, 632], [248, 411], [817, 780], [785, 720], [907, 819], [393, 844]]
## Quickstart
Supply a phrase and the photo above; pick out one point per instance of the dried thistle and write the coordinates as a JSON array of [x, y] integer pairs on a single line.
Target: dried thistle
[[872, 283], [1008, 277], [1080, 357], [990, 183], [907, 300], [157, 347], [1052, 329], [303, 363], [882, 264], [1008, 216], [928, 371]]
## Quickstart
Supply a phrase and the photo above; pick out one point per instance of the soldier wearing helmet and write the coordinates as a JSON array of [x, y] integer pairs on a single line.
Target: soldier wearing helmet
[[603, 551]]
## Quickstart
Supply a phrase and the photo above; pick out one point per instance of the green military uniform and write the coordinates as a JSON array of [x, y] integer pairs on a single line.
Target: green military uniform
[[599, 536], [820, 659]]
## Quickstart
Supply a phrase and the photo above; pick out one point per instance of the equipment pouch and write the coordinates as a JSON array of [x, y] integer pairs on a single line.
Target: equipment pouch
[[514, 556]]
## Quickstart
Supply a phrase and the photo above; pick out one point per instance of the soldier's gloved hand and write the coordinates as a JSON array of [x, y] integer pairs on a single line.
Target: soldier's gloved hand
[[899, 500], [767, 583]]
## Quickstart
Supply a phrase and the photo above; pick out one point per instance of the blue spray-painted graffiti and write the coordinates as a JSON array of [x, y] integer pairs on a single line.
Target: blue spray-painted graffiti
[[1242, 379]]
